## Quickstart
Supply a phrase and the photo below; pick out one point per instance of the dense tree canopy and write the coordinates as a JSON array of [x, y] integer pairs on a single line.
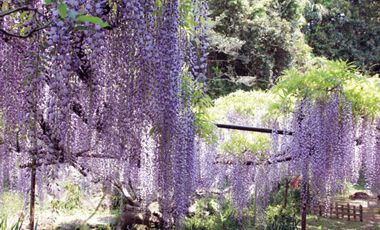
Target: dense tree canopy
[[256, 39], [253, 42], [347, 30]]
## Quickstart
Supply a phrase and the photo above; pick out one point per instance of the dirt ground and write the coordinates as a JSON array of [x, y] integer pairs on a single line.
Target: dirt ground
[[371, 215], [371, 208]]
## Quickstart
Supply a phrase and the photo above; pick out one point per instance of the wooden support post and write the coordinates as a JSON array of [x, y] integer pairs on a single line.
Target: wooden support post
[[320, 210], [32, 193], [255, 206], [342, 206], [348, 211], [308, 197], [337, 210], [286, 192], [354, 212], [305, 185], [361, 213]]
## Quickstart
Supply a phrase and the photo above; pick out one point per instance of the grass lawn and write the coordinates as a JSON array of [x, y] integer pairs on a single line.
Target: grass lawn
[[314, 222]]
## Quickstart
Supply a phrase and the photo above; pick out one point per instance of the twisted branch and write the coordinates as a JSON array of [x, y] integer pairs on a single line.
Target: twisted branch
[[22, 8], [28, 34]]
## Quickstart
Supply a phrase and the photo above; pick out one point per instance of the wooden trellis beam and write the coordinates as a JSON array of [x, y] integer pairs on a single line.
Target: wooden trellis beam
[[252, 129]]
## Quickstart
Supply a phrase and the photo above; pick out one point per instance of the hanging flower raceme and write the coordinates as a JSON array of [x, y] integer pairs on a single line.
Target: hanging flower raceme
[[324, 142]]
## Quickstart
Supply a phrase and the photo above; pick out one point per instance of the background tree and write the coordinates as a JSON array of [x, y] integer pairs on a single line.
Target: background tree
[[252, 42], [347, 30]]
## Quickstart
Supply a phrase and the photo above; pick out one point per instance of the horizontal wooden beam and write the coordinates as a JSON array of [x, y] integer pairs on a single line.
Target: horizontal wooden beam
[[252, 129]]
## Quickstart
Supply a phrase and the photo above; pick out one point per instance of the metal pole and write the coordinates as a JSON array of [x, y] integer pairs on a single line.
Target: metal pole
[[252, 129]]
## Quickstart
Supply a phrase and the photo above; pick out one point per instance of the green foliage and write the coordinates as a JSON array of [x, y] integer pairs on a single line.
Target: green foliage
[[16, 226], [251, 105], [222, 86], [327, 77], [64, 11], [23, 18], [10, 205], [261, 39], [193, 96], [315, 82], [73, 197], [365, 95], [71, 201], [245, 108], [347, 30], [277, 198], [256, 39], [241, 142], [185, 9], [316, 222], [276, 216], [362, 180], [210, 215], [280, 219], [92, 19]]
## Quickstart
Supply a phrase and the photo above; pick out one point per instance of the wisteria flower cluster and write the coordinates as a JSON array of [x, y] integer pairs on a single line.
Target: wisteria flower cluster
[[326, 144]]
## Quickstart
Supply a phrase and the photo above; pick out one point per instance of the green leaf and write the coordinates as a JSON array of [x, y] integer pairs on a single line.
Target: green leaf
[[104, 24], [62, 10], [88, 18], [151, 131], [22, 31], [81, 28], [23, 14], [26, 80], [17, 26], [5, 6], [47, 2]]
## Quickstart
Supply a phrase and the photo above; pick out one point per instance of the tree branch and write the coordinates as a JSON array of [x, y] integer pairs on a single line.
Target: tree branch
[[253, 162], [79, 167], [72, 163], [28, 34], [22, 8], [97, 156]]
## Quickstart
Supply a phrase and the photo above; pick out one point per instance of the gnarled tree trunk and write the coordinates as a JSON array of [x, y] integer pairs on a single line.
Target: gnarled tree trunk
[[137, 215]]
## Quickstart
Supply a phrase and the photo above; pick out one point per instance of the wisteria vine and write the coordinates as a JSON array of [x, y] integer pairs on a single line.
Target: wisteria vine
[[326, 143]]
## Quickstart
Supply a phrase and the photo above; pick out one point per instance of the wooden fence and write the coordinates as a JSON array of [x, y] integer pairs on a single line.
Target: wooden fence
[[348, 211]]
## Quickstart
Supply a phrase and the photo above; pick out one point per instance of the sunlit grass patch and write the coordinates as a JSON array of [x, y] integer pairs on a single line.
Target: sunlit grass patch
[[314, 222], [11, 204]]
